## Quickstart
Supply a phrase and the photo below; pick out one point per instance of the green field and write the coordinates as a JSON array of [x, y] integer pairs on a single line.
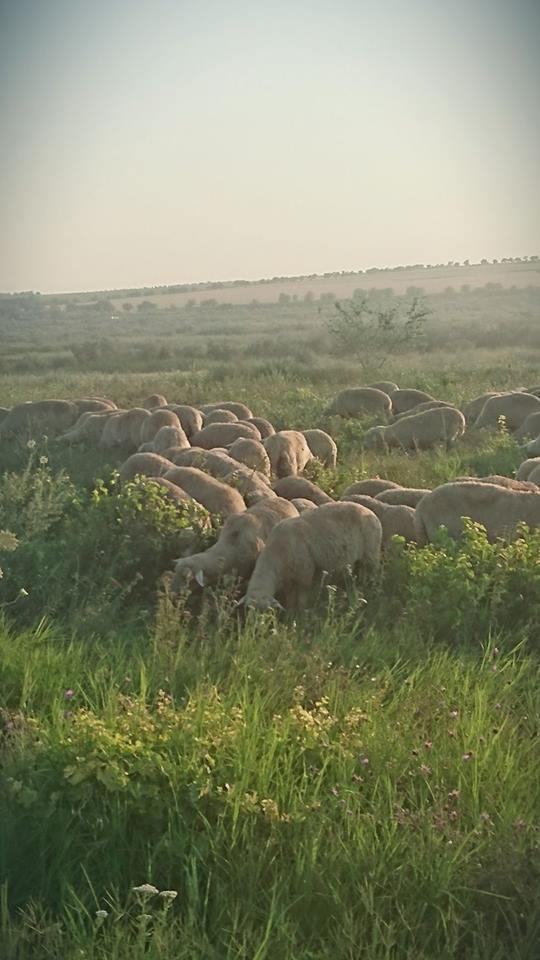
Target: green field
[[356, 782]]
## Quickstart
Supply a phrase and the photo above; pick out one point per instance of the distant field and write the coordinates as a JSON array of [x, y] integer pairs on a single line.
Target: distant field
[[430, 279]]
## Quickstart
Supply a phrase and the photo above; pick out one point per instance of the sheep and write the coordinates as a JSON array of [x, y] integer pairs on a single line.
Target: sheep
[[370, 487], [396, 519], [145, 464], [154, 400], [171, 490], [167, 437], [533, 447], [527, 467], [94, 405], [474, 408], [155, 421], [264, 427], [240, 409], [361, 402], [293, 487], [322, 446], [217, 497], [529, 428], [501, 481], [515, 407], [419, 431], [497, 508], [403, 400], [534, 390], [534, 476], [250, 483], [50, 416], [428, 405], [3, 413], [302, 504], [240, 542], [387, 386], [288, 451], [220, 416], [252, 454], [223, 434], [88, 428], [402, 496], [330, 540], [123, 428], [191, 419]]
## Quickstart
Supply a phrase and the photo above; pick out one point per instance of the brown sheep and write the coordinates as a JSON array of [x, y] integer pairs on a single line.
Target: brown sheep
[[220, 416], [167, 437], [329, 541], [361, 402], [387, 386], [264, 427], [153, 401], [527, 467], [240, 409], [474, 408], [322, 446], [497, 508], [302, 504], [294, 487], [40, 416], [530, 428], [420, 431], [288, 451], [217, 497], [191, 419], [155, 421]]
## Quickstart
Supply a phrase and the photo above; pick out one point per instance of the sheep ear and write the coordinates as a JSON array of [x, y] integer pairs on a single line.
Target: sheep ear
[[199, 577]]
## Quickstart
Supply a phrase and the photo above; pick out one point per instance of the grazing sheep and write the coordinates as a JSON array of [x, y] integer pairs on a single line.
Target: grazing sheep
[[497, 508], [534, 476], [150, 448], [330, 540], [219, 464], [302, 504], [507, 482], [223, 434], [322, 446], [361, 402], [529, 428], [220, 416], [88, 428], [154, 400], [288, 451], [419, 431], [428, 405], [403, 400], [155, 421], [191, 419], [123, 428], [40, 416], [94, 405], [533, 447], [171, 490], [264, 427], [387, 386], [515, 407], [474, 408], [217, 497], [402, 496], [252, 454], [293, 487], [145, 464], [527, 467], [534, 390], [396, 519], [370, 487], [240, 542], [240, 409], [170, 437], [3, 413]]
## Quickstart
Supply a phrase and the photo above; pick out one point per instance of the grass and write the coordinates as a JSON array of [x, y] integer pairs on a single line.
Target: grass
[[355, 782]]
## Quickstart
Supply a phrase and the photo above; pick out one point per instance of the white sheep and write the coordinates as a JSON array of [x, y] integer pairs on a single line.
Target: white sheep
[[223, 434], [420, 431], [288, 451], [322, 446], [294, 487], [217, 497], [330, 540], [358, 402], [499, 509], [396, 519], [514, 406]]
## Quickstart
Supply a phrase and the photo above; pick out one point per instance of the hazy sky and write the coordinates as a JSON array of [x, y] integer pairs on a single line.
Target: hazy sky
[[163, 141]]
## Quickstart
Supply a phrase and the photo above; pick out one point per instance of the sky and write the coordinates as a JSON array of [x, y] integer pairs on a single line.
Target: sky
[[149, 142]]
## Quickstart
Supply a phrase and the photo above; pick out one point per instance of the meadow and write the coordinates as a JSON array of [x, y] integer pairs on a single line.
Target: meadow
[[182, 780]]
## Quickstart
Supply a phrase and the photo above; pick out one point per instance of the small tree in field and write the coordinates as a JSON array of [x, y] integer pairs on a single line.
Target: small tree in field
[[371, 334]]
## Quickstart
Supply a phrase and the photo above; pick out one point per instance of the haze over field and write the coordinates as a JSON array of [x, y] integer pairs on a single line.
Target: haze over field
[[167, 142]]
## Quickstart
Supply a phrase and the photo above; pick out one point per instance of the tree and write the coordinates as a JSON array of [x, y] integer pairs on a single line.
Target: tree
[[127, 307], [371, 335]]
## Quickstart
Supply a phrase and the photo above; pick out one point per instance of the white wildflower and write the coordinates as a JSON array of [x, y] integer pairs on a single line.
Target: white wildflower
[[169, 894], [101, 915], [146, 889]]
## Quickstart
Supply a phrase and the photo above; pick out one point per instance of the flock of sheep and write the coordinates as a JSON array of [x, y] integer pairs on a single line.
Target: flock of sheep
[[281, 532]]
